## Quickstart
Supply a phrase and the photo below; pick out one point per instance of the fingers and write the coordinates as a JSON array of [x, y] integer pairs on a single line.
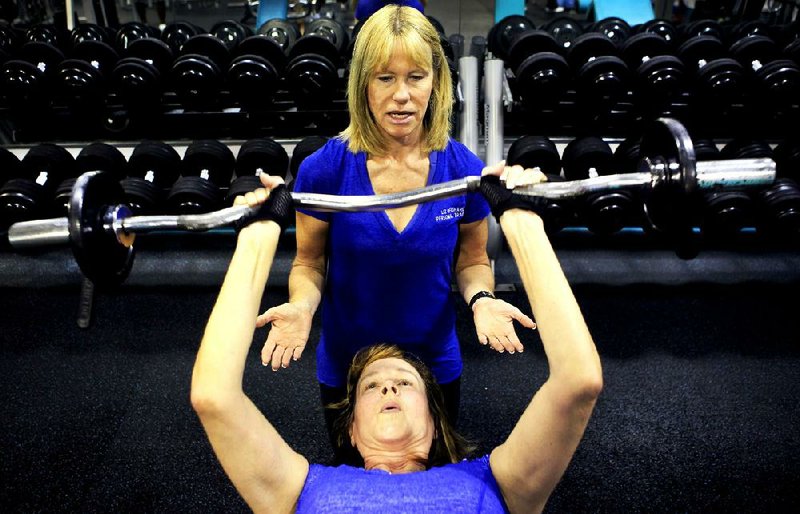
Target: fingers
[[523, 320], [260, 195], [516, 176], [509, 343], [271, 181], [494, 169]]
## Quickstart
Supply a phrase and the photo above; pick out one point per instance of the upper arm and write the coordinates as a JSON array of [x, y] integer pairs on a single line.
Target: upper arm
[[268, 474], [312, 237], [472, 240], [529, 464]]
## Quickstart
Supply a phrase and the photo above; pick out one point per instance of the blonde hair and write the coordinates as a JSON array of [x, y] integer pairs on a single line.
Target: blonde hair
[[391, 27]]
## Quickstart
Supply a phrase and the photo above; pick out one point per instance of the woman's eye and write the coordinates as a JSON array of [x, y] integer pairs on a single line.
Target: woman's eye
[[371, 385], [405, 382], [385, 78]]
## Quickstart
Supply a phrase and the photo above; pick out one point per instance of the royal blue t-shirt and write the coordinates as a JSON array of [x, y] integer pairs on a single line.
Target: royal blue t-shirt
[[383, 286], [467, 487]]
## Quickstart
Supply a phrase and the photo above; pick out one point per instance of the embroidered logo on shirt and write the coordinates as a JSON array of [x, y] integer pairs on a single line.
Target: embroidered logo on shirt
[[449, 213]]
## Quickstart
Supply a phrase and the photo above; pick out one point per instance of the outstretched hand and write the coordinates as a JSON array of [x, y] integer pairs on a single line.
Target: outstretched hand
[[291, 326], [494, 324]]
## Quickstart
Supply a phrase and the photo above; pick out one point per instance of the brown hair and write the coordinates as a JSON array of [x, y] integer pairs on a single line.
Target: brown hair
[[395, 26], [448, 445]]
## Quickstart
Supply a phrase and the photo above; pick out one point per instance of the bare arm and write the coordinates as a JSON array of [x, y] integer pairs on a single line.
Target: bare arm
[[529, 464], [291, 321], [264, 469]]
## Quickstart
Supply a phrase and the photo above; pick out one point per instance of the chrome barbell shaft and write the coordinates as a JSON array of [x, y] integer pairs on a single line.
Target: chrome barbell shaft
[[711, 175]]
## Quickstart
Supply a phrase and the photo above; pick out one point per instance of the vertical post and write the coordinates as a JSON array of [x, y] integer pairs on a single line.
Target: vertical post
[[493, 93], [468, 124]]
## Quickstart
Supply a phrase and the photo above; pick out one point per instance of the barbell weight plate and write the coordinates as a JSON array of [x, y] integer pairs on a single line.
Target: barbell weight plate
[[669, 206], [102, 258]]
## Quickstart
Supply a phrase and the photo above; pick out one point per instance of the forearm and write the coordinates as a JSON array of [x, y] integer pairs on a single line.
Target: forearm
[[566, 339], [306, 282], [229, 332], [473, 278]]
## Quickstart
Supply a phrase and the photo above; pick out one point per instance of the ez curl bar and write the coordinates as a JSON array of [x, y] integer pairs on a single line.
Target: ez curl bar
[[101, 228]]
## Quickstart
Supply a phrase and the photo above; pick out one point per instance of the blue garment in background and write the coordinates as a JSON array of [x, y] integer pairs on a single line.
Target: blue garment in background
[[366, 8], [383, 286], [467, 487]]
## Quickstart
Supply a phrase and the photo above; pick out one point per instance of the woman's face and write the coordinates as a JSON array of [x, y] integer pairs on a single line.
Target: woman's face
[[398, 97], [391, 410]]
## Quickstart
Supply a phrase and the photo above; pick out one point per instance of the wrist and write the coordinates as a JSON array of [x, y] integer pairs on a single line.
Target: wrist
[[480, 295]]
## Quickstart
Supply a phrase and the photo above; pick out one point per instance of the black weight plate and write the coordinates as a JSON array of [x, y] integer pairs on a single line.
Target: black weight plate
[[152, 50], [779, 81], [604, 77], [283, 32], [564, 30], [197, 80], [639, 47], [177, 34], [156, 162], [311, 79], [698, 51], [589, 46], [535, 151], [662, 76], [101, 257], [615, 29], [314, 44], [23, 85], [529, 43], [230, 32], [750, 49], [98, 53], [502, 33], [663, 28], [722, 79], [208, 46], [99, 156], [211, 160], [542, 78], [262, 155], [704, 28], [253, 81], [331, 30], [130, 32], [265, 48]]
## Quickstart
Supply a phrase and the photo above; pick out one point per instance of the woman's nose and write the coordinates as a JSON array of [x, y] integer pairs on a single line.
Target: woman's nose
[[388, 388], [401, 92]]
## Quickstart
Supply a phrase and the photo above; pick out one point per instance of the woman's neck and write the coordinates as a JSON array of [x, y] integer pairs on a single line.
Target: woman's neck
[[396, 464]]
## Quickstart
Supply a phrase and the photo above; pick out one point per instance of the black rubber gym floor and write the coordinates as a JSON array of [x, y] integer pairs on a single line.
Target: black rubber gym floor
[[699, 411]]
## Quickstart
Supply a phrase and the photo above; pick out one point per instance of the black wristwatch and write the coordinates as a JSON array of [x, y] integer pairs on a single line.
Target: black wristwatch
[[477, 296]]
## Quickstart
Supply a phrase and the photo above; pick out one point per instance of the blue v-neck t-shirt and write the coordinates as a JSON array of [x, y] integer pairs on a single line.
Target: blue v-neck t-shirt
[[385, 286]]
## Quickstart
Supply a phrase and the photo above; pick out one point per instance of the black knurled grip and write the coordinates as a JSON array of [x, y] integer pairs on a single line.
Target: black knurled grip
[[279, 208]]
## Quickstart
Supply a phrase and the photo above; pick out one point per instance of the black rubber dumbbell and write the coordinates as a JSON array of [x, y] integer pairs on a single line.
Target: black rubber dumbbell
[[602, 213], [660, 75], [312, 75], [11, 38], [502, 33], [255, 158], [31, 195], [27, 81], [10, 168], [779, 204], [139, 77], [705, 27], [715, 77], [627, 155], [614, 28], [97, 156], [564, 29], [600, 75], [660, 27], [83, 78], [305, 147], [133, 31], [231, 32], [255, 72], [283, 32], [207, 167], [533, 151], [541, 73], [153, 168], [776, 79], [197, 74], [176, 34]]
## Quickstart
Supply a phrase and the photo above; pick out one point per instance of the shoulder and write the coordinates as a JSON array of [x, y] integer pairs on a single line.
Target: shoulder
[[461, 158]]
